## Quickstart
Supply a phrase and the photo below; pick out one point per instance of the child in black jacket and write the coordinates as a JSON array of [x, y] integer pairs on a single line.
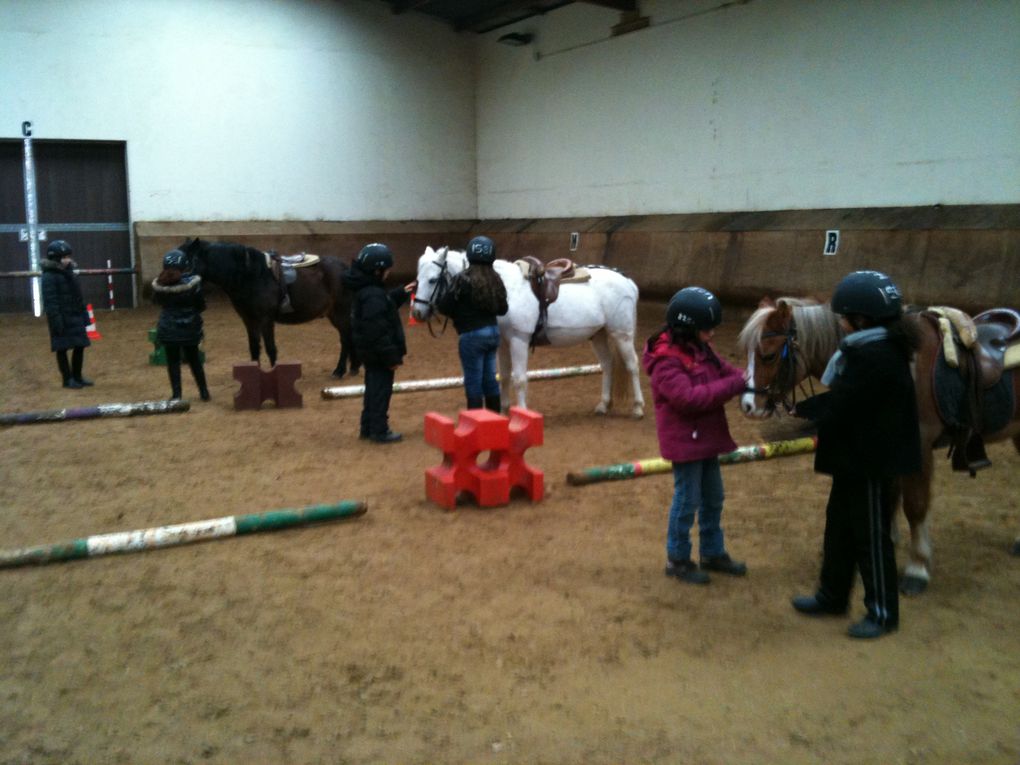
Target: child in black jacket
[[378, 336], [868, 437], [179, 329]]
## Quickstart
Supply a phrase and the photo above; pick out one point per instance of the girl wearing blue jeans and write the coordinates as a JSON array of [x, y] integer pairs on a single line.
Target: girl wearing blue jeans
[[690, 385], [474, 300]]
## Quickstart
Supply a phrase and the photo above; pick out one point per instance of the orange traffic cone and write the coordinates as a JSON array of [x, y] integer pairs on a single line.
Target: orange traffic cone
[[91, 330], [411, 322]]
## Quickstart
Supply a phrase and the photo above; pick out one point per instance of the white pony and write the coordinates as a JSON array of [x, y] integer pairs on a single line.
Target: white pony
[[602, 310]]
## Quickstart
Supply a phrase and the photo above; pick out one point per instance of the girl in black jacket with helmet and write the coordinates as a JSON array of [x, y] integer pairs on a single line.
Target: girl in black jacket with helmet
[[179, 329], [868, 437], [378, 336], [65, 312]]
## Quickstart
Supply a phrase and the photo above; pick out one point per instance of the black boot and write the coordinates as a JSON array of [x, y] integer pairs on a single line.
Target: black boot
[[77, 359], [65, 369], [474, 402], [492, 403], [198, 372], [174, 372]]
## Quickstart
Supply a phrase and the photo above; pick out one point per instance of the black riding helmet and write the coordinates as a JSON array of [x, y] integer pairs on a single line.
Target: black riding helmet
[[868, 293], [58, 249], [694, 308], [175, 259], [481, 249], [374, 257]]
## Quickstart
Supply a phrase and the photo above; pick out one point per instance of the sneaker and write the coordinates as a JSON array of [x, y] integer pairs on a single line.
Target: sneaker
[[724, 564], [388, 437], [814, 605], [686, 571], [868, 629]]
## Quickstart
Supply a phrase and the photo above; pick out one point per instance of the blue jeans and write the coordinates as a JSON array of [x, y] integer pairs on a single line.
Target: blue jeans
[[697, 488], [478, 359]]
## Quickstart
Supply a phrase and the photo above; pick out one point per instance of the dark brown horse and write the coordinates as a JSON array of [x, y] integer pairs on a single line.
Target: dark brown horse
[[790, 341], [245, 276]]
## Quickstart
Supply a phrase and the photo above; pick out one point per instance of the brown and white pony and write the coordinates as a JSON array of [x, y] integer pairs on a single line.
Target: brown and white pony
[[789, 342]]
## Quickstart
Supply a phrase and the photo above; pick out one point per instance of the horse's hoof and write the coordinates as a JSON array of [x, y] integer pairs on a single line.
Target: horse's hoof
[[1016, 547], [638, 414], [913, 585], [602, 410]]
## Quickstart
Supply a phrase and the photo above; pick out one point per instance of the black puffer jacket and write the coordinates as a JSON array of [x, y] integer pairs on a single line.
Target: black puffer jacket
[[180, 321], [376, 328], [64, 306], [867, 422]]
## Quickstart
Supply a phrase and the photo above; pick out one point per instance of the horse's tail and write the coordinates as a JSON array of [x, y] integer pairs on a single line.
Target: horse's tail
[[621, 391]]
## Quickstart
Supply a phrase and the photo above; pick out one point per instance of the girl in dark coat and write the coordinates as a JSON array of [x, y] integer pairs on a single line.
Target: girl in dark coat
[[179, 329], [378, 336], [868, 436], [65, 312], [690, 385], [476, 297]]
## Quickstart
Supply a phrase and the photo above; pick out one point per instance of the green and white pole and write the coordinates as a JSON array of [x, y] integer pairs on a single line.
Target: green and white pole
[[624, 470], [179, 534], [438, 383]]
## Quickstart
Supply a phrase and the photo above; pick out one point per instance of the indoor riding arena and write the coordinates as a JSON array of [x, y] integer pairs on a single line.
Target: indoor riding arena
[[758, 148]]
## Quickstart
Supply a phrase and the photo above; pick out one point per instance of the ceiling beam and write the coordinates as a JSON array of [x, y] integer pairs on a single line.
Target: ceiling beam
[[504, 14]]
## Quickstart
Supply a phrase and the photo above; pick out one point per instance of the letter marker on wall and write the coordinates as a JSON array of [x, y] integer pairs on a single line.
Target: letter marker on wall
[[831, 243]]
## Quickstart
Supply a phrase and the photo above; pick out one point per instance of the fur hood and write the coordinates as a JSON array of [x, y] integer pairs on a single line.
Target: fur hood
[[48, 264], [187, 283]]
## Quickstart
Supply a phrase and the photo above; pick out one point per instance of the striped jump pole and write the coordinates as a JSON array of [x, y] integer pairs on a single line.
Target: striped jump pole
[[640, 468], [168, 406], [350, 391], [180, 534]]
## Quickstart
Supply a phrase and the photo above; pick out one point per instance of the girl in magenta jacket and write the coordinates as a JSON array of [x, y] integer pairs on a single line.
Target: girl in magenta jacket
[[690, 385]]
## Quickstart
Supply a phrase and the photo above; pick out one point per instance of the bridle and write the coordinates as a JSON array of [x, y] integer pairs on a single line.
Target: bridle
[[783, 387], [440, 286]]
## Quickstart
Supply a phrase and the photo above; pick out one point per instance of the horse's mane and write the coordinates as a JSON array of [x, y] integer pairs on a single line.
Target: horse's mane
[[235, 267], [818, 330]]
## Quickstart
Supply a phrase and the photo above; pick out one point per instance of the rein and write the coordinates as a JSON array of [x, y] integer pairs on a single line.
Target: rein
[[441, 285], [783, 388]]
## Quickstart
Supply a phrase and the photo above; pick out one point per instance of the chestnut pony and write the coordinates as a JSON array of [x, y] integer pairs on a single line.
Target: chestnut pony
[[788, 344]]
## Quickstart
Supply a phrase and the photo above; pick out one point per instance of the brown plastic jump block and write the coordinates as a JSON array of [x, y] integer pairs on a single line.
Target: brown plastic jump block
[[258, 385]]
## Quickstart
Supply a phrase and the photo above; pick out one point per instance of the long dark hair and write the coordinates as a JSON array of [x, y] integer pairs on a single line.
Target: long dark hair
[[488, 292], [169, 277]]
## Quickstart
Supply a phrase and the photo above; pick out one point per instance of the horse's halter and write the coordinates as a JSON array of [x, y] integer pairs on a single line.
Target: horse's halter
[[783, 387], [440, 284]]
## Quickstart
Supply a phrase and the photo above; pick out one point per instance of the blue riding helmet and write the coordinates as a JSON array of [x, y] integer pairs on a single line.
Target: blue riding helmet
[[175, 259], [868, 293], [694, 308], [58, 249], [481, 249], [374, 257]]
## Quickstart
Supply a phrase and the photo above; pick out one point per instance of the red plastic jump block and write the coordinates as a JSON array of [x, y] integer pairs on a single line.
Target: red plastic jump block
[[489, 481], [258, 385]]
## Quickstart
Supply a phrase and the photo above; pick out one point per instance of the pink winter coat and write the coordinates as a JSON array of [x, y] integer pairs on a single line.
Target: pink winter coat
[[689, 390]]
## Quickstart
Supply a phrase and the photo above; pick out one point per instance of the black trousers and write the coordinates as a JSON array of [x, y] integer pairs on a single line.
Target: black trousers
[[376, 404], [72, 370], [858, 536], [173, 367]]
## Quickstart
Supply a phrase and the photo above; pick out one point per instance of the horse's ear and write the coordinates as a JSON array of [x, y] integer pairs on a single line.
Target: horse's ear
[[765, 302], [429, 251], [783, 309]]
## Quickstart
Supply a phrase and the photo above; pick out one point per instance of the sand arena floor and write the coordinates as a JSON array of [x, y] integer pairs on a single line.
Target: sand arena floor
[[541, 633]]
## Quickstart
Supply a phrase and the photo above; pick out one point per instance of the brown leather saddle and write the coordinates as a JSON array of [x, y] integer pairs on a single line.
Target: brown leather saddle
[[545, 279], [283, 268], [972, 394]]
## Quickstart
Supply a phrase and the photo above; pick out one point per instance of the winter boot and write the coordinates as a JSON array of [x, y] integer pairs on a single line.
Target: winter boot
[[493, 403], [199, 374], [174, 372], [474, 402], [77, 358], [65, 370]]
